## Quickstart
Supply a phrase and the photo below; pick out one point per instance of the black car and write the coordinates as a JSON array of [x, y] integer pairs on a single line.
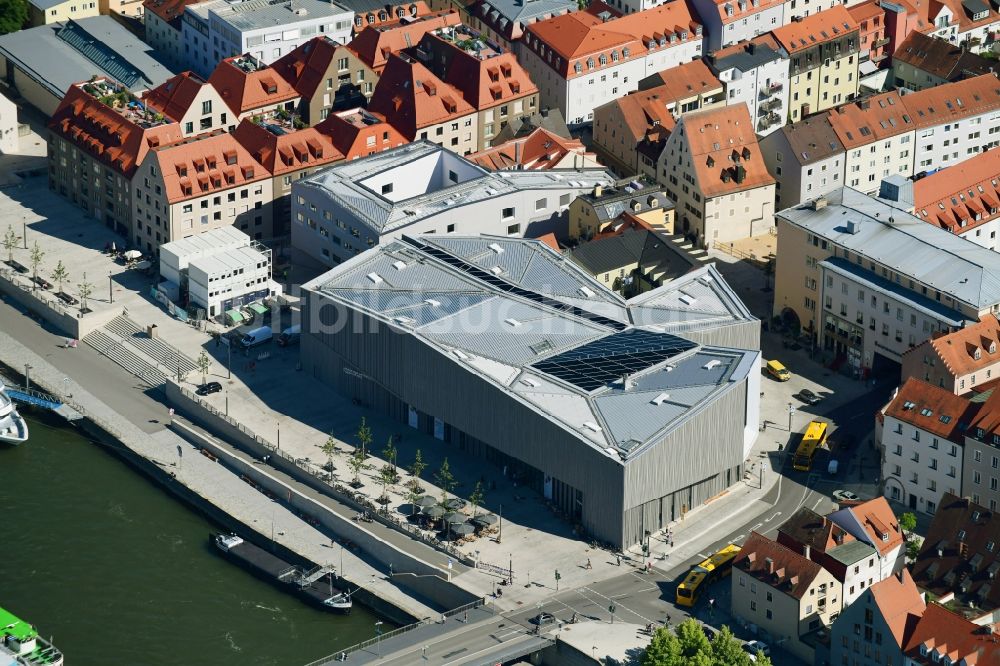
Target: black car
[[209, 388], [808, 397], [543, 618]]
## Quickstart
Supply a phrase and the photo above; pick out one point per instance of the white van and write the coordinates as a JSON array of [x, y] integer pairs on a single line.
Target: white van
[[290, 336], [257, 336]]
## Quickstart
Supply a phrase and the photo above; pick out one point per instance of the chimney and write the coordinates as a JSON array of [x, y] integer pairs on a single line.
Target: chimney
[[769, 563], [806, 551], [598, 191], [517, 152]]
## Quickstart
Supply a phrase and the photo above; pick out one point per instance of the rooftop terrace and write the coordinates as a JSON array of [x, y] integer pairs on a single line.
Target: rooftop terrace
[[113, 94], [469, 40]]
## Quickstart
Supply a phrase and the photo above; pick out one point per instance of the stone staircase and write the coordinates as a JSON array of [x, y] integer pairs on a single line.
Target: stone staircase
[[118, 352], [155, 349]]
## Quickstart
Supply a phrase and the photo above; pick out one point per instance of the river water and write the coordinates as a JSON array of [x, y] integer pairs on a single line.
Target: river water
[[120, 573]]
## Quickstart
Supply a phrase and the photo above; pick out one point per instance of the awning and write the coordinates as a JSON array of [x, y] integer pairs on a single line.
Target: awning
[[258, 308], [234, 316]]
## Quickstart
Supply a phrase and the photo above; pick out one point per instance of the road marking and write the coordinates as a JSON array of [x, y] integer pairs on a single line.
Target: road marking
[[502, 637], [776, 514], [703, 556], [465, 658], [739, 537], [754, 528], [622, 607], [817, 503]]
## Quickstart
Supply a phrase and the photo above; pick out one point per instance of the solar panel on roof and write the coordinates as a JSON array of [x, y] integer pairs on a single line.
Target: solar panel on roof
[[601, 362]]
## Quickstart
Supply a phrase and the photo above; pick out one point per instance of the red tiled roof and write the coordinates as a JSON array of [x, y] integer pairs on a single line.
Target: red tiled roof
[[807, 528], [550, 240], [168, 10], [645, 111], [961, 197], [206, 163], [579, 37], [945, 633], [871, 119], [539, 150], [410, 97], [958, 349], [878, 520], [774, 564], [373, 46], [283, 153], [359, 132], [820, 27], [305, 67], [731, 11], [105, 134], [245, 91], [687, 80], [988, 418], [174, 96], [932, 409], [724, 151], [953, 101], [900, 603], [391, 12]]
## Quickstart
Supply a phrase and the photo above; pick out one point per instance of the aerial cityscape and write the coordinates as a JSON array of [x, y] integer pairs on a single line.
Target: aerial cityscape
[[499, 332]]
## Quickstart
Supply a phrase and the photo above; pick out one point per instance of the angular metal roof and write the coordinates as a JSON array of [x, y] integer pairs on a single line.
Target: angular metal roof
[[551, 335]]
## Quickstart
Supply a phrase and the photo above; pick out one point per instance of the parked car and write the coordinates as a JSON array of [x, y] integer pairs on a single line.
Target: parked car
[[209, 388], [808, 397], [543, 619], [845, 496], [753, 647]]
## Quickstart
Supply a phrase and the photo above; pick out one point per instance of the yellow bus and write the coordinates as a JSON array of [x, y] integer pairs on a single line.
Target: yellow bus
[[705, 573], [813, 439]]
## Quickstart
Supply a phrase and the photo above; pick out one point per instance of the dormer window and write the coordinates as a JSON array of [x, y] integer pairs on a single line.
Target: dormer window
[[993, 347], [978, 354]]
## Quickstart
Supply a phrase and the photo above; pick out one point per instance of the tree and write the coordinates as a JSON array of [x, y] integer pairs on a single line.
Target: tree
[[912, 549], [203, 363], [444, 479], [364, 437], [417, 468], [356, 463], [386, 477], [390, 453], [329, 448], [726, 649], [413, 496], [477, 497], [687, 645], [35, 258], [13, 15], [907, 522], [86, 289], [10, 240], [60, 274]]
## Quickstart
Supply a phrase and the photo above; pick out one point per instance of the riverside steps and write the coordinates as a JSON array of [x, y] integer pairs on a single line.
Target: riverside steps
[[143, 439]]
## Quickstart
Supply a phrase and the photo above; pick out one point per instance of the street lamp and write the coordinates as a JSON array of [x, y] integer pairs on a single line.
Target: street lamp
[[66, 388], [500, 533], [27, 376], [277, 425], [378, 639], [791, 412], [111, 291], [24, 232]]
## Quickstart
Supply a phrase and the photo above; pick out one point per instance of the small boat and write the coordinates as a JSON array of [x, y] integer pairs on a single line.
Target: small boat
[[13, 427], [20, 641]]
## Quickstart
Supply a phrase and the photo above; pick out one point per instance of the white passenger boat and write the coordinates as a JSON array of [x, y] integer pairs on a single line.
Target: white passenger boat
[[13, 428]]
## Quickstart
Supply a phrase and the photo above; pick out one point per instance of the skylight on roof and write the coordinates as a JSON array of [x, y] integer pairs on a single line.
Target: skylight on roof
[[431, 302], [496, 248], [496, 270], [660, 399], [926, 412], [530, 381], [590, 425], [688, 299], [714, 363], [399, 265], [512, 322], [375, 278], [586, 291], [460, 354]]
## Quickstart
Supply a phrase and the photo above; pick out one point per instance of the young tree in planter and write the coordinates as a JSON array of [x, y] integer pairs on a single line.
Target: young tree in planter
[[413, 496], [386, 477], [86, 289], [10, 240], [417, 468], [907, 522], [364, 437], [357, 463], [477, 497], [203, 362], [329, 448], [444, 479], [35, 258], [390, 453], [60, 274]]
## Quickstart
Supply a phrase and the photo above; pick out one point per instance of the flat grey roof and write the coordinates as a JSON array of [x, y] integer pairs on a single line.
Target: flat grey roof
[[523, 11], [744, 59], [247, 15], [895, 238], [61, 54], [500, 307], [851, 552], [45, 5]]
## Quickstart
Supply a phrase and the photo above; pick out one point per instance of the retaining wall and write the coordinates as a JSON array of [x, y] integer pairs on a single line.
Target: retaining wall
[[66, 319]]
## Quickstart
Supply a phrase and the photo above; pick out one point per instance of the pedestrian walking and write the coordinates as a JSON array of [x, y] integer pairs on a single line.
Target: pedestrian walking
[[589, 565], [618, 559], [671, 543]]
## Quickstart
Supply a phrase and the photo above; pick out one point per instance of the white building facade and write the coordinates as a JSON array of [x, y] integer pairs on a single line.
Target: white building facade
[[757, 75], [8, 126], [733, 21]]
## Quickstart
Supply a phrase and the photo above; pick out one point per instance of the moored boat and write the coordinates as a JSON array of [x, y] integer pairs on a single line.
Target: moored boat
[[20, 641], [13, 427]]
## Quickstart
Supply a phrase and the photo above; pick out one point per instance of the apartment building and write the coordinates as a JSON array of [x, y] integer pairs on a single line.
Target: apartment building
[[358, 133], [488, 77], [783, 593], [162, 22], [647, 115], [196, 185], [593, 213], [873, 522], [43, 12], [921, 438], [807, 159], [728, 22], [250, 88], [504, 21], [823, 60], [796, 10], [587, 58], [981, 469], [755, 73], [923, 61], [711, 166], [631, 260], [218, 29], [962, 362], [541, 149], [422, 188], [964, 199], [878, 139], [873, 41], [954, 121], [966, 23], [870, 281], [853, 563], [98, 137], [191, 102]]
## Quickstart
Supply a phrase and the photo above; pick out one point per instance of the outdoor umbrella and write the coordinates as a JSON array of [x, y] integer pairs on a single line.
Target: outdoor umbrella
[[484, 519], [434, 511], [462, 529], [454, 518], [426, 501], [133, 254], [455, 503]]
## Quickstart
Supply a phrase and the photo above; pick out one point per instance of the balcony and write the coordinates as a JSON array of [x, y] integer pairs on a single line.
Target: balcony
[[769, 120], [770, 105], [775, 87], [880, 43]]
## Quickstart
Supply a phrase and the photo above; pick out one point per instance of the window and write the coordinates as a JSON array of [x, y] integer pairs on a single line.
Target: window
[[541, 204], [506, 214], [514, 229], [206, 107]]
